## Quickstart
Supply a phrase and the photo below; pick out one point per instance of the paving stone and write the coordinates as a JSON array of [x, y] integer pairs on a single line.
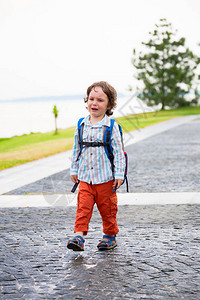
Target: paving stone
[[157, 255]]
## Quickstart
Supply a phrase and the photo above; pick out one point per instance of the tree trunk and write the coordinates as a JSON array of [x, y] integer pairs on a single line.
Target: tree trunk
[[56, 126]]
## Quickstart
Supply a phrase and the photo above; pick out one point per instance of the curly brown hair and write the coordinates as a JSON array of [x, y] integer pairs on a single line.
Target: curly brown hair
[[109, 91]]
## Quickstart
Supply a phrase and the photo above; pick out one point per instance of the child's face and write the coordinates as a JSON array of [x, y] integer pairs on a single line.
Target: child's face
[[97, 103]]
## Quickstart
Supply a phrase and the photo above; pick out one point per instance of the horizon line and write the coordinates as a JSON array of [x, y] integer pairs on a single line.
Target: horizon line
[[51, 98]]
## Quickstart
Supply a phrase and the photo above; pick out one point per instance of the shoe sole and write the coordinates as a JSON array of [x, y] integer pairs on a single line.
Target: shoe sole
[[74, 247], [106, 248]]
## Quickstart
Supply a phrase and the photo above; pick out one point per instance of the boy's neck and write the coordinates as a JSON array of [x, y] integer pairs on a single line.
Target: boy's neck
[[93, 120]]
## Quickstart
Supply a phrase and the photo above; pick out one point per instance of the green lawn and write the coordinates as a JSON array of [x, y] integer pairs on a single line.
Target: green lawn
[[21, 149], [8, 144], [133, 122]]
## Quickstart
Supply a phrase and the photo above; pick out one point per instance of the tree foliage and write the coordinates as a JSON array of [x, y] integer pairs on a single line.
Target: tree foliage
[[55, 112], [167, 69]]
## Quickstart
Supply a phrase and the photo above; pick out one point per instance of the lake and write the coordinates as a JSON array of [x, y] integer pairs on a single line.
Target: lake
[[23, 117]]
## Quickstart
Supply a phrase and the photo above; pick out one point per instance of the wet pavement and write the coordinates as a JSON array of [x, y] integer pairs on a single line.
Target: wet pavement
[[157, 255]]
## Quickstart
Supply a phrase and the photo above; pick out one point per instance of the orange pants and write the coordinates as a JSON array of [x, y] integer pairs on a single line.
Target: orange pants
[[106, 202]]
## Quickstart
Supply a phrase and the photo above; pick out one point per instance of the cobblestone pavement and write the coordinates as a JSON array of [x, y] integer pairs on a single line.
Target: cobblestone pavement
[[157, 255], [167, 162]]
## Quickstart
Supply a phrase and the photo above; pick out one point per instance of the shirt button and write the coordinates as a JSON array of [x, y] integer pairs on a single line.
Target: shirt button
[[90, 153], [92, 168]]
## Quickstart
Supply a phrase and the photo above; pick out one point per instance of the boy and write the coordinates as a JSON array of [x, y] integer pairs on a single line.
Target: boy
[[93, 168]]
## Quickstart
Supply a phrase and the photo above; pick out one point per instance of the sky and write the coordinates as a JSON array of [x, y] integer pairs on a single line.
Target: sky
[[60, 47]]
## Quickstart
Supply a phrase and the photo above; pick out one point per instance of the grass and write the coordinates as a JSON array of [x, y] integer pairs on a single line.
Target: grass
[[133, 122], [25, 148]]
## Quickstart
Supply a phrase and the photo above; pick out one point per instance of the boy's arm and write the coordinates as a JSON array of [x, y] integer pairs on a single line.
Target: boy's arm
[[75, 153], [119, 159]]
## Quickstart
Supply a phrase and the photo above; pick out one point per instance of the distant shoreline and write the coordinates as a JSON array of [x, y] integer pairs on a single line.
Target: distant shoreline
[[52, 98], [22, 116]]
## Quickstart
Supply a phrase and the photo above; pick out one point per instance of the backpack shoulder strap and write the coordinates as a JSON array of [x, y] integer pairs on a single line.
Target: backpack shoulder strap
[[107, 142], [80, 132], [120, 130], [108, 132], [112, 121], [79, 122], [80, 126]]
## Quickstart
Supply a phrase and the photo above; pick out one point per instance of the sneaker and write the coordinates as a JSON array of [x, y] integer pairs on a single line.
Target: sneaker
[[107, 243], [76, 244]]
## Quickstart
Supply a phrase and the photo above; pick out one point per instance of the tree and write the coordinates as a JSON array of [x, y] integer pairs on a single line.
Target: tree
[[55, 112], [168, 70]]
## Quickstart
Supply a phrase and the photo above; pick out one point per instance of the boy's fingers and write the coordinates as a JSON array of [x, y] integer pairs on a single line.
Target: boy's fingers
[[74, 178], [118, 183], [115, 182]]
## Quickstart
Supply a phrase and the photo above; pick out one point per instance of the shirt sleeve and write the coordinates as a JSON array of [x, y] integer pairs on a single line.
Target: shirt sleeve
[[75, 153], [119, 158]]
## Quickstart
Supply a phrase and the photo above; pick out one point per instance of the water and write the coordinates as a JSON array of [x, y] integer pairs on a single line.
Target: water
[[23, 117], [17, 118]]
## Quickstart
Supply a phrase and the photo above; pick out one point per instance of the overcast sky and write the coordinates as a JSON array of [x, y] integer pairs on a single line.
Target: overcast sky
[[60, 47]]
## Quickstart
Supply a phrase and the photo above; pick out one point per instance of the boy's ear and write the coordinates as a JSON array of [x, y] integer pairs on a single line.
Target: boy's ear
[[108, 106]]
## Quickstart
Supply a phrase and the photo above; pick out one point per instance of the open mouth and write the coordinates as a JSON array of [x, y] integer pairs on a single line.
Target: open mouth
[[94, 109]]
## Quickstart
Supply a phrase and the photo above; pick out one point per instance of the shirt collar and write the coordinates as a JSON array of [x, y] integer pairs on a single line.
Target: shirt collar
[[104, 122]]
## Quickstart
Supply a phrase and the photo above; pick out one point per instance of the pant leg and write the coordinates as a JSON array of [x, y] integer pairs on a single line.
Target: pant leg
[[85, 206], [106, 202]]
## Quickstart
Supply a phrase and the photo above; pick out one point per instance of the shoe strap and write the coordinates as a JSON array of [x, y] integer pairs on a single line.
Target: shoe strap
[[111, 238], [79, 237]]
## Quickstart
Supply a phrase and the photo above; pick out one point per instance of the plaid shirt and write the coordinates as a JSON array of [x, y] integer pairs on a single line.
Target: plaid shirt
[[93, 166]]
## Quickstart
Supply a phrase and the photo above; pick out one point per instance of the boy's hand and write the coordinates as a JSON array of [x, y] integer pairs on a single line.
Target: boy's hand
[[117, 182], [74, 178]]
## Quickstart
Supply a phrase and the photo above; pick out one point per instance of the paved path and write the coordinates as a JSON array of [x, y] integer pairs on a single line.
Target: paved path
[[157, 255]]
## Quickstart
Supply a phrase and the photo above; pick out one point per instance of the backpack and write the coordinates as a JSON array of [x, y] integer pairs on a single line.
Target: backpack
[[107, 146]]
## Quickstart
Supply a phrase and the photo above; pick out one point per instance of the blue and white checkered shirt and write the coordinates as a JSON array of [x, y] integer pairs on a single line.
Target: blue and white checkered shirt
[[93, 166]]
